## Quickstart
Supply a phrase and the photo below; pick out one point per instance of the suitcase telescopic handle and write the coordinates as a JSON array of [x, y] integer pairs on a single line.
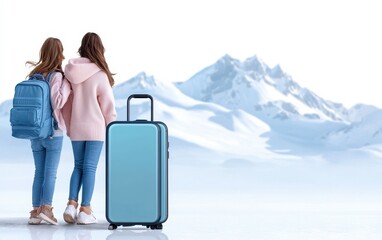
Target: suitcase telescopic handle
[[140, 96]]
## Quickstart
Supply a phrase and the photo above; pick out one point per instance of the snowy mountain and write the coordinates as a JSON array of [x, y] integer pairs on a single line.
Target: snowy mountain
[[294, 121], [365, 129], [360, 112], [198, 131], [252, 86], [364, 132], [242, 113], [269, 94]]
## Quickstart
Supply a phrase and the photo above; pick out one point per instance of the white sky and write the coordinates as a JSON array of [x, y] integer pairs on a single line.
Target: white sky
[[332, 47]]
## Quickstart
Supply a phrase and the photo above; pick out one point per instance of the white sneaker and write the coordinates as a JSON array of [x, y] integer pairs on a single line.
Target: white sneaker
[[70, 214], [84, 218]]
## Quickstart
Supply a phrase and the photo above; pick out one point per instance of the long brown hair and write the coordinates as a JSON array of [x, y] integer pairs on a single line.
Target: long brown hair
[[51, 57], [93, 49]]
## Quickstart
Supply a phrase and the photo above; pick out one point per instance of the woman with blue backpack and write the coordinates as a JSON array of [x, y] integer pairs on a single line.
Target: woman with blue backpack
[[47, 151]]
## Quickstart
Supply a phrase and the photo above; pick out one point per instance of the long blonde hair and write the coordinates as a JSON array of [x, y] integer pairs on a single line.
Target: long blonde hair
[[51, 57]]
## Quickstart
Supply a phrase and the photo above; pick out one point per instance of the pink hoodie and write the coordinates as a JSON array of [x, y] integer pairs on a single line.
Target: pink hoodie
[[59, 94], [91, 107]]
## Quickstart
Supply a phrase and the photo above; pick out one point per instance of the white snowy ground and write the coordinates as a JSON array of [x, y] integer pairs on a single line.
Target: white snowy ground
[[298, 201]]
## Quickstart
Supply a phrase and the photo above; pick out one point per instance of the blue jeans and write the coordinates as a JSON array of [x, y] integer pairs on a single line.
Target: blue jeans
[[46, 154], [86, 157]]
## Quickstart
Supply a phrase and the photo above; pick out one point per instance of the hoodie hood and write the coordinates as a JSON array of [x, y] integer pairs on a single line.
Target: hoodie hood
[[80, 69]]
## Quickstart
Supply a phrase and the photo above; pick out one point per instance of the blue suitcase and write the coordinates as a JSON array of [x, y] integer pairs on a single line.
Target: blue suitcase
[[137, 171]]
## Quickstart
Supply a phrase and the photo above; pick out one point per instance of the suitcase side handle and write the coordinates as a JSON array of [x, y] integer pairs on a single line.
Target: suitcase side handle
[[140, 96]]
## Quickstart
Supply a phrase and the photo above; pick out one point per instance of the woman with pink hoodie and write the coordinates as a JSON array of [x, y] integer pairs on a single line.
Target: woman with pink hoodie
[[91, 109]]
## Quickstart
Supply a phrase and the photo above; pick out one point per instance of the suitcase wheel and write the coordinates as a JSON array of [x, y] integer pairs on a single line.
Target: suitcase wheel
[[112, 227], [157, 226]]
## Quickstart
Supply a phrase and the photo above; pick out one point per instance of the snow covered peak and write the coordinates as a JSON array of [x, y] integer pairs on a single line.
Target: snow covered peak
[[142, 80], [245, 85], [227, 59], [225, 65], [140, 83], [276, 72], [256, 65]]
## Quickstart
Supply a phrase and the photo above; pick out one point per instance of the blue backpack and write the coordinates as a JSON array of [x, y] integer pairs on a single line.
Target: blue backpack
[[31, 116]]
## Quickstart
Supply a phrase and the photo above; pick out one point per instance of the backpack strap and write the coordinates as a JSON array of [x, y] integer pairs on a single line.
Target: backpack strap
[[54, 121], [49, 76], [37, 76], [40, 76]]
